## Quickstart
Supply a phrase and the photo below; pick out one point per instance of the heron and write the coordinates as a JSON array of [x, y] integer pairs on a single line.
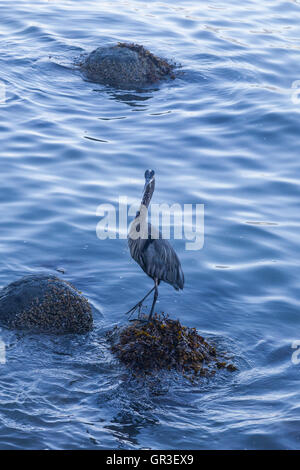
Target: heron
[[153, 253]]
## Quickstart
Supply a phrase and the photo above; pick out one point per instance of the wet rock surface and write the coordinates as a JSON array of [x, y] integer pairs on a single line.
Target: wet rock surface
[[126, 66], [165, 344], [44, 303]]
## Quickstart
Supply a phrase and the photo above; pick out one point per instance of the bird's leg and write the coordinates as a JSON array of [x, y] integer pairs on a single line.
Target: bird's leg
[[154, 298], [139, 304]]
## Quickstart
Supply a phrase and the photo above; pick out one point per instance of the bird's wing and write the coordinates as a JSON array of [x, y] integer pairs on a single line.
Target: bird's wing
[[160, 261], [157, 258]]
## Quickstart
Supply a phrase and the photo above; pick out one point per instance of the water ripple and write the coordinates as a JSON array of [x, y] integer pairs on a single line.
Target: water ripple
[[223, 134]]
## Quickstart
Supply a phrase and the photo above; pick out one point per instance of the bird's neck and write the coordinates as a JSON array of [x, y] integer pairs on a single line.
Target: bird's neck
[[142, 213], [147, 195], [139, 226]]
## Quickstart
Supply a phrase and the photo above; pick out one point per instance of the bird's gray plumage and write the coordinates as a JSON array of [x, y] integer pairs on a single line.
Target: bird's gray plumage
[[155, 255], [158, 259]]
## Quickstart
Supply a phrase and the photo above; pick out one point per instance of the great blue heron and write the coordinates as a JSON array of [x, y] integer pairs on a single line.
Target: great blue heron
[[154, 254]]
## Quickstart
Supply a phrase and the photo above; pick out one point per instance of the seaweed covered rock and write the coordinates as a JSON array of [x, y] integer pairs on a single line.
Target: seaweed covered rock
[[125, 66], [44, 303], [165, 344]]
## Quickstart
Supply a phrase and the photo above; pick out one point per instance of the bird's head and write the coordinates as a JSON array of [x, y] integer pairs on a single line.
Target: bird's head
[[149, 177]]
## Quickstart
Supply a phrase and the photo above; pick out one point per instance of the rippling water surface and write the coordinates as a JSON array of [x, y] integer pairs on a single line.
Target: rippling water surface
[[224, 134]]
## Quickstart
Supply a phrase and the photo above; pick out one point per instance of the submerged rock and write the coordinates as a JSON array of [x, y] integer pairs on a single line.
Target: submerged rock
[[44, 303], [125, 66], [165, 344]]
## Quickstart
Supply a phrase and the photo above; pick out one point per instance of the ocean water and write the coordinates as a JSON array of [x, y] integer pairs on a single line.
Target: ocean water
[[225, 134]]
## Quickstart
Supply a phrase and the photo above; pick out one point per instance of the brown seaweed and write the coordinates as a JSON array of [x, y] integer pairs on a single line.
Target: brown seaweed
[[165, 344]]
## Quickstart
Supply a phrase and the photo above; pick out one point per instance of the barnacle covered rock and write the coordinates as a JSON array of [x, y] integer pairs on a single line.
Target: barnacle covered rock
[[44, 303], [165, 344], [125, 66]]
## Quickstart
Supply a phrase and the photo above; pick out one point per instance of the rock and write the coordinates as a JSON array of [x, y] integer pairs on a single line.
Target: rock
[[125, 66], [165, 344], [44, 303]]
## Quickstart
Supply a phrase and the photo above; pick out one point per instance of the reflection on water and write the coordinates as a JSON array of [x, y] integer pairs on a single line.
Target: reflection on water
[[131, 99]]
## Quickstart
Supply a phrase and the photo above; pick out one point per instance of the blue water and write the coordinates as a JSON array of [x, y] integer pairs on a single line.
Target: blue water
[[224, 134]]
